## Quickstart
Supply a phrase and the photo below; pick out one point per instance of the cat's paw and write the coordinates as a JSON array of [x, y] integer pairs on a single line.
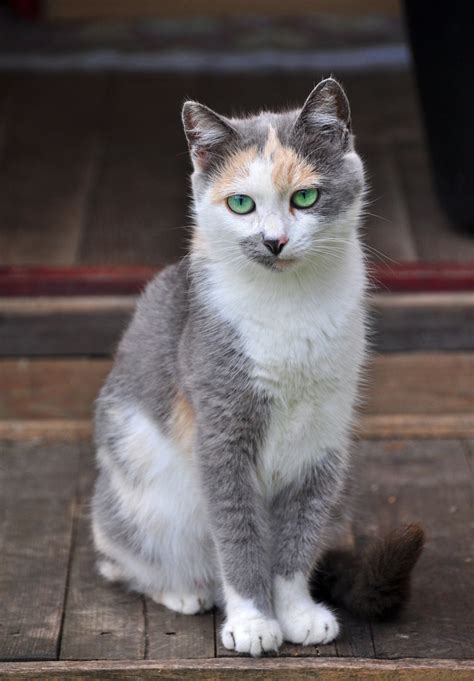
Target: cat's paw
[[187, 603], [255, 635], [308, 624]]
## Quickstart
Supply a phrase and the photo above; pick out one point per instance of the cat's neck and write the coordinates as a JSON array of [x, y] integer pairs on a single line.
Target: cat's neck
[[337, 280]]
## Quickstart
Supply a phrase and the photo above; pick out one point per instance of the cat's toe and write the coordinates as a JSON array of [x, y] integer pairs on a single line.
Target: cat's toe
[[253, 635], [311, 624]]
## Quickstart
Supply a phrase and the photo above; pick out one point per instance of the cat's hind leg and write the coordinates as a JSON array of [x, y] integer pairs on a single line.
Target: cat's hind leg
[[148, 519]]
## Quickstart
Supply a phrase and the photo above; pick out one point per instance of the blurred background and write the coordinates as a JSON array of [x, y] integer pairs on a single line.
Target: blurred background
[[93, 161]]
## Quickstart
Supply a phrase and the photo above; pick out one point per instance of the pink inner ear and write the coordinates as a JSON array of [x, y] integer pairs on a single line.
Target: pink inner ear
[[201, 156]]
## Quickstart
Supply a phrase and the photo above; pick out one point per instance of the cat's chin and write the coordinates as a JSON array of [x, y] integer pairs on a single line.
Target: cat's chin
[[276, 264], [284, 265]]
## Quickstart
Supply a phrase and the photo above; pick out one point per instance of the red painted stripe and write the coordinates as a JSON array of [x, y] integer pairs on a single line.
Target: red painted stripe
[[128, 280]]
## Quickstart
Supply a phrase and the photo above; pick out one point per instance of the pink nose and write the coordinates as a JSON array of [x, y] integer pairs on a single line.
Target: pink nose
[[276, 246]]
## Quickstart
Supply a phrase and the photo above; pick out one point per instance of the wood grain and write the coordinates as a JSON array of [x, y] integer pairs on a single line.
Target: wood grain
[[174, 636], [37, 489], [398, 385], [52, 389], [92, 325], [426, 482], [101, 621], [244, 668], [421, 383]]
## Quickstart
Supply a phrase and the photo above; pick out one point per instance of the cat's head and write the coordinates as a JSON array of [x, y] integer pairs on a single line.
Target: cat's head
[[275, 189]]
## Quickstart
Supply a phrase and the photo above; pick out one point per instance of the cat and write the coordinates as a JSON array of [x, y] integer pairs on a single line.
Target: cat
[[223, 429]]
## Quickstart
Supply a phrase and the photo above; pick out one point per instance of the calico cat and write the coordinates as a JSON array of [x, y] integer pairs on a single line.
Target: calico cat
[[223, 428]]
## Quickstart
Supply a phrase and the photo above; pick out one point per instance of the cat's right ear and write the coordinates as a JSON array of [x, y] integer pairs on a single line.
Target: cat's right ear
[[205, 130]]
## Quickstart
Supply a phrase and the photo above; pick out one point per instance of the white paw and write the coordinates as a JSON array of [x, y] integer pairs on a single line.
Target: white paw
[[254, 635], [308, 624], [187, 604]]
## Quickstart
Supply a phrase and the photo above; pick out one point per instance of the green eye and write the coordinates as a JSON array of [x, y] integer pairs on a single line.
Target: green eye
[[305, 198], [241, 204]]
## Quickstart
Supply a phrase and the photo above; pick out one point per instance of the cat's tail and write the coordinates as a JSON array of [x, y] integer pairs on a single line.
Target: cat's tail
[[374, 582]]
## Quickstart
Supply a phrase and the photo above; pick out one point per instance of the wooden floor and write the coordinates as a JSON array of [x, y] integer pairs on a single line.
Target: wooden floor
[[57, 608], [60, 620], [93, 171], [93, 167]]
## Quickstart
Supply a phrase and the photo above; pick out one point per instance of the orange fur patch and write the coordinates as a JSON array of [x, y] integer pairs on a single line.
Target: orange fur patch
[[182, 423], [235, 169], [290, 171]]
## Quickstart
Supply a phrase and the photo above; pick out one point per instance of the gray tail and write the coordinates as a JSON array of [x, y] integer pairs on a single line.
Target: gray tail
[[374, 583]]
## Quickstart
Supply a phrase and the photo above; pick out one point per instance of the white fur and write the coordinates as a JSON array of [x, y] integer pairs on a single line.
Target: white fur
[[246, 629], [301, 619], [303, 331], [303, 327], [174, 557]]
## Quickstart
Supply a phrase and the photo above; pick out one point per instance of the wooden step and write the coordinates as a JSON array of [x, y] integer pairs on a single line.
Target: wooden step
[[242, 669], [60, 620], [92, 325], [407, 395]]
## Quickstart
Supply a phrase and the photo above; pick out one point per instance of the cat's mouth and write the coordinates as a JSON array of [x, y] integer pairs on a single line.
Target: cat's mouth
[[271, 262], [254, 250], [281, 264]]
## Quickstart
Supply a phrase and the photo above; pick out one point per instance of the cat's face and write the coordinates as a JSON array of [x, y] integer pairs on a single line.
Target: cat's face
[[278, 190]]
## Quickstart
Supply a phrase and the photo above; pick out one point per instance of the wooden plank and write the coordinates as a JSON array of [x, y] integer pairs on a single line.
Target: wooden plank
[[244, 668], [37, 488], [93, 325], [408, 395], [435, 239], [48, 166], [139, 208], [52, 389], [422, 322], [367, 427], [101, 621], [377, 426], [355, 639], [77, 330], [45, 430], [174, 636], [421, 383], [426, 482]]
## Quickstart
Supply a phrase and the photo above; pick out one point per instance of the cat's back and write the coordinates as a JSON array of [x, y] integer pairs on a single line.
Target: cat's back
[[145, 364]]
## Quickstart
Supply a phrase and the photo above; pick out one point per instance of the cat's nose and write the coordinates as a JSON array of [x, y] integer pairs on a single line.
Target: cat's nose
[[276, 246]]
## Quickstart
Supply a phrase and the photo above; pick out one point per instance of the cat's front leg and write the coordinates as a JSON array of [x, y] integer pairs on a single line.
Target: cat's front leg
[[227, 448], [301, 513]]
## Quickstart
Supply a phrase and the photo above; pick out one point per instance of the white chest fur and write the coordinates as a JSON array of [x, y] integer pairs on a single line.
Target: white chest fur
[[305, 338]]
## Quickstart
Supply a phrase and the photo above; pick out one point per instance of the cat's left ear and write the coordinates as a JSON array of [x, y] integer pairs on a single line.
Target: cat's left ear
[[205, 130], [327, 110]]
